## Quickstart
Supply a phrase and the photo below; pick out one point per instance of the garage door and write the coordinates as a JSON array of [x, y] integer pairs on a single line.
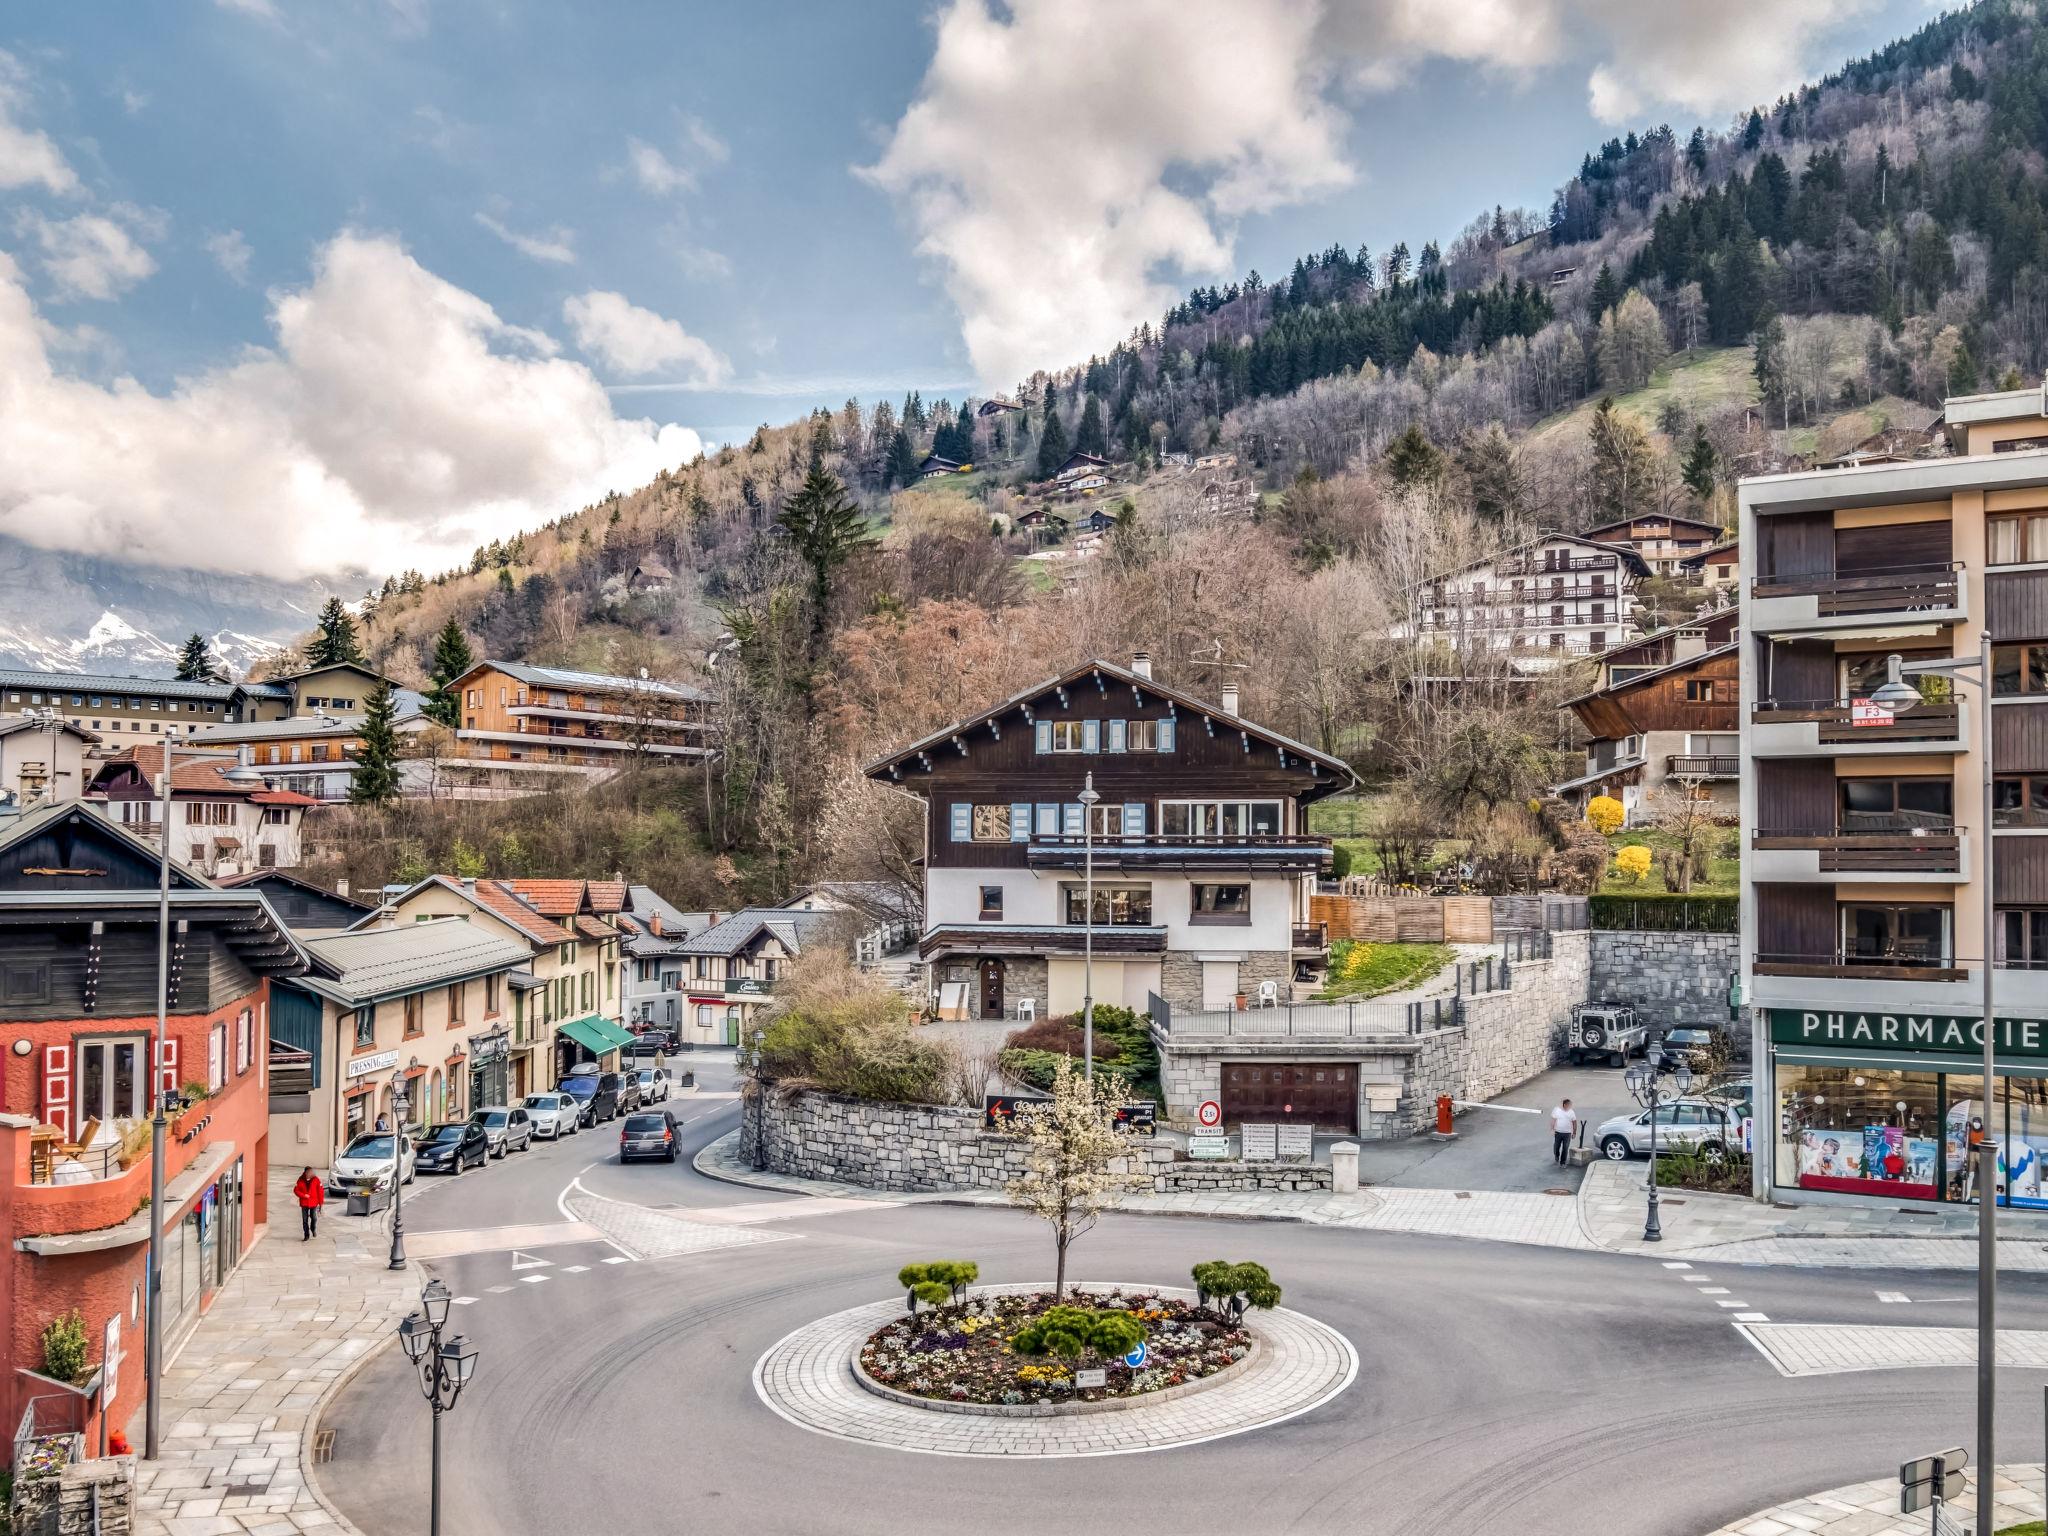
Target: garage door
[[1322, 1094]]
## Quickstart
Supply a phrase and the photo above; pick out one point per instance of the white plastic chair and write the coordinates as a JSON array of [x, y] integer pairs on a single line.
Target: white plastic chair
[[1269, 995], [1027, 1010]]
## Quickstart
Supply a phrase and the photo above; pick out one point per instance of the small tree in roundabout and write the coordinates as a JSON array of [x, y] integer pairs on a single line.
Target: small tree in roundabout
[[1238, 1287], [1071, 1147], [938, 1282], [1070, 1331]]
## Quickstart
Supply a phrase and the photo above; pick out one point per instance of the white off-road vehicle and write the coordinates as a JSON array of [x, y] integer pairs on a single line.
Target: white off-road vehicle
[[1609, 1030]]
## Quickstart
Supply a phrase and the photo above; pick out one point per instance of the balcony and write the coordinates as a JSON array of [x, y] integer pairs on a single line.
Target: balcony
[[1311, 937], [1843, 728], [1860, 850], [1918, 594], [1679, 765], [1512, 568], [1857, 966], [1260, 851]]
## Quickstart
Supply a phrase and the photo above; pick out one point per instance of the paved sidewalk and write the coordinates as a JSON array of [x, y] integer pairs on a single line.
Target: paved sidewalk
[[1872, 1509], [294, 1321]]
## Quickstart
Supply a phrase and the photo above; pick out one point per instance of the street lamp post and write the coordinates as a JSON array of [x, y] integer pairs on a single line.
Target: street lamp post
[[444, 1369], [399, 1101], [1089, 800], [1647, 1084], [153, 1342], [1894, 696]]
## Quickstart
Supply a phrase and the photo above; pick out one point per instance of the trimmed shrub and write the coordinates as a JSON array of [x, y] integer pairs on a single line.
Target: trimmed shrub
[[1070, 1331], [1237, 1286], [1633, 863], [1606, 813], [1063, 1036], [937, 1282], [66, 1349]]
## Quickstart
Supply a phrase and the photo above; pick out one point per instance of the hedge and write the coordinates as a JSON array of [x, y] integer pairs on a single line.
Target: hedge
[[1666, 913]]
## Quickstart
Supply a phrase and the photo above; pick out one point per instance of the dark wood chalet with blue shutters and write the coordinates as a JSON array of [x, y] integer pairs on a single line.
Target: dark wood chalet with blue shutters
[[1203, 862]]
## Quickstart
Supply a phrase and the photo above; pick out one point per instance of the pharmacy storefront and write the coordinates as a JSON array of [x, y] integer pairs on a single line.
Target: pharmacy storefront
[[1888, 1105]]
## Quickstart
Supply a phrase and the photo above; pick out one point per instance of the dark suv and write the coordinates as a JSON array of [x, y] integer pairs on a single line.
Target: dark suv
[[598, 1093], [1695, 1048]]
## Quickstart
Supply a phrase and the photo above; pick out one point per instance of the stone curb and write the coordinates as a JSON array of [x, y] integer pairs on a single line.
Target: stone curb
[[1872, 1508]]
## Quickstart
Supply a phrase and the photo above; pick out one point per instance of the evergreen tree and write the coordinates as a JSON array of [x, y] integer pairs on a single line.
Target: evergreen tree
[[1700, 463], [1770, 365], [1052, 440], [375, 779], [1089, 436], [198, 664], [1606, 291], [334, 639], [1753, 130], [1624, 462], [1413, 459], [452, 658], [824, 528], [1696, 152], [902, 459]]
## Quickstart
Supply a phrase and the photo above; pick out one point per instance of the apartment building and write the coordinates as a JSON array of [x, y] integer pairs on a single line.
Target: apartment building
[[225, 820], [1669, 726], [117, 707], [1664, 542], [1556, 596], [1863, 939], [547, 717]]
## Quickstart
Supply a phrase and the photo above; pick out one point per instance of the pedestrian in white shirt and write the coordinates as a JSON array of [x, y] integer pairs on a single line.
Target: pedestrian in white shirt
[[1564, 1121]]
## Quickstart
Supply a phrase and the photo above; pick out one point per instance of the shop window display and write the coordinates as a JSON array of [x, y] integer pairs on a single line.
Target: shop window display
[[2019, 1127], [1860, 1130]]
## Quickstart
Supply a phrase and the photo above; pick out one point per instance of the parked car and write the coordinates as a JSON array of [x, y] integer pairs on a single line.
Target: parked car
[[1694, 1048], [453, 1146], [652, 1038], [629, 1092], [596, 1090], [365, 1163], [1686, 1125], [506, 1128], [650, 1133], [654, 1084], [554, 1115], [1609, 1030]]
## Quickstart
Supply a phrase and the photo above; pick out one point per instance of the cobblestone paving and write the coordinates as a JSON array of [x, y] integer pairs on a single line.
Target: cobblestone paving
[[1831, 1349], [808, 1379], [1872, 1509]]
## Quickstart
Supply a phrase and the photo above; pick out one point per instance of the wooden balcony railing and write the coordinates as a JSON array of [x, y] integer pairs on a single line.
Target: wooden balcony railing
[[1711, 767], [1858, 965], [1842, 720], [1848, 850], [1891, 589], [1311, 936]]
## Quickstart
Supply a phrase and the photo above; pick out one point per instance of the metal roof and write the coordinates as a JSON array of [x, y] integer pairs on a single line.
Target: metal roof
[[370, 963], [739, 930], [105, 683], [603, 682], [263, 730]]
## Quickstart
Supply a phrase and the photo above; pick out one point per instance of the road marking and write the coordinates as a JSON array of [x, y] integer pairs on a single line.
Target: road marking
[[576, 1269], [534, 1279], [449, 1245], [528, 1261], [618, 1259], [1891, 1297], [1821, 1349], [497, 1290], [1712, 1290], [774, 1210], [1676, 1264], [1698, 1279], [562, 1205], [1731, 1303], [1752, 1317], [465, 1301]]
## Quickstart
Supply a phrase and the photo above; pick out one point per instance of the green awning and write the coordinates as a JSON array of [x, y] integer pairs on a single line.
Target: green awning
[[596, 1034]]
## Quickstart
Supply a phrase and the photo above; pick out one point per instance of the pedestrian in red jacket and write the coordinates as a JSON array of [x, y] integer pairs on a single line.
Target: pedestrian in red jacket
[[312, 1195]]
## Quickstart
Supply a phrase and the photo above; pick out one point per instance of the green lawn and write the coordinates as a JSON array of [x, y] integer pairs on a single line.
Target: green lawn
[[2031, 1528], [1367, 970], [1704, 380], [1726, 870]]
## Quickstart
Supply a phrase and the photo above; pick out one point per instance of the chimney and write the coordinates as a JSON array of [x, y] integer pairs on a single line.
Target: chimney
[[1141, 663], [1688, 643], [1230, 700], [654, 924], [341, 887], [469, 882]]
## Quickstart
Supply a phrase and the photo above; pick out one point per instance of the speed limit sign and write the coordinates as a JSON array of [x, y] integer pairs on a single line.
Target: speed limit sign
[[1210, 1114]]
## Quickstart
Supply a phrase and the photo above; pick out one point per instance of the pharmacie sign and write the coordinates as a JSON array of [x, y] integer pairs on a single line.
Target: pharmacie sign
[[1939, 1033]]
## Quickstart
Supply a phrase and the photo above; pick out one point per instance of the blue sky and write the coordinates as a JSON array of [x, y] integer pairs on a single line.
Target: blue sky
[[641, 195]]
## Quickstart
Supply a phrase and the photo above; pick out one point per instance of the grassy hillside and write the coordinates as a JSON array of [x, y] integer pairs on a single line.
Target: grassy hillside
[[1701, 381]]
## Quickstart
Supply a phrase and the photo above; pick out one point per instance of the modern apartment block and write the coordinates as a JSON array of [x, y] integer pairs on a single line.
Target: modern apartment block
[[1555, 596], [1863, 939]]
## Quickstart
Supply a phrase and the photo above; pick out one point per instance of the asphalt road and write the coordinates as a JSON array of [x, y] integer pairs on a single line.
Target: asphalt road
[[1505, 1144], [1501, 1389]]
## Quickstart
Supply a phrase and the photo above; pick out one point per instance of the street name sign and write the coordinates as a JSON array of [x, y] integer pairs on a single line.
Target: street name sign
[[1927, 1478], [1261, 1142], [1211, 1147], [1297, 1141]]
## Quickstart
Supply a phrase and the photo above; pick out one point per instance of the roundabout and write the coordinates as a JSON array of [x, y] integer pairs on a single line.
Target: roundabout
[[811, 1377]]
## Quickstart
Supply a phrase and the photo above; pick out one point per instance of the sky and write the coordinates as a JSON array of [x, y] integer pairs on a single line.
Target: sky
[[321, 285]]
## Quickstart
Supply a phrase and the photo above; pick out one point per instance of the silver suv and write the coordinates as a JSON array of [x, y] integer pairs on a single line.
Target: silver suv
[[1687, 1125]]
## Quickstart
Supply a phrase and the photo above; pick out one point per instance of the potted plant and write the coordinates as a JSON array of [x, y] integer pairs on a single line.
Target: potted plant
[[1240, 1002]]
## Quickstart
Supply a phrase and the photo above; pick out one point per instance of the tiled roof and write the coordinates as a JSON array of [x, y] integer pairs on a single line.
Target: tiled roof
[[591, 928], [607, 895], [500, 898], [556, 898], [281, 797]]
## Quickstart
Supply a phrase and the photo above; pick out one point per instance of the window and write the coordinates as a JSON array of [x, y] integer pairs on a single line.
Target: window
[[2017, 540], [366, 1027], [476, 698], [455, 992], [217, 1057], [413, 1024], [1115, 905], [991, 824], [587, 994], [1067, 736], [1699, 690], [494, 991], [276, 816], [1222, 904], [565, 954], [1141, 735], [992, 901], [1220, 818], [2023, 938], [245, 1041], [2019, 669], [1897, 805], [2019, 444], [1109, 821], [1895, 935], [2020, 800], [111, 1083], [1860, 1129]]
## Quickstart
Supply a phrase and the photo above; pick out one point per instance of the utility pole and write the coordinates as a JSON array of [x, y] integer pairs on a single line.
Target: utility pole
[[154, 1347]]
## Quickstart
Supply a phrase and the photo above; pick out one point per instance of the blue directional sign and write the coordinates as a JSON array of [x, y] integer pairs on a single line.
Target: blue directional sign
[[1136, 1357]]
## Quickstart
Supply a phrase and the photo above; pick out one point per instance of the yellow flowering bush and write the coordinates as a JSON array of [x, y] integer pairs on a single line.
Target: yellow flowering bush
[[1633, 863], [1606, 814]]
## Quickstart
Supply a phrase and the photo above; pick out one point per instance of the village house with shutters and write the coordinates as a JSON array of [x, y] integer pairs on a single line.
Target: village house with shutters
[[1203, 862]]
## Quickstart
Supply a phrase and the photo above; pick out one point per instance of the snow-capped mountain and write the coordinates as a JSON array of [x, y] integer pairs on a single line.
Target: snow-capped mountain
[[70, 613]]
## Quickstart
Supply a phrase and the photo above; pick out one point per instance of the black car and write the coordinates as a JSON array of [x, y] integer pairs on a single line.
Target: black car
[[595, 1090], [655, 1038], [650, 1133], [1694, 1048], [451, 1147]]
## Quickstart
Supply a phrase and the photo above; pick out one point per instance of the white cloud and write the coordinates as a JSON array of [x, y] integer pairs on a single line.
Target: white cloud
[[700, 261], [1708, 59], [622, 335], [89, 256], [557, 245], [396, 420], [28, 158], [230, 251], [655, 171], [263, 8]]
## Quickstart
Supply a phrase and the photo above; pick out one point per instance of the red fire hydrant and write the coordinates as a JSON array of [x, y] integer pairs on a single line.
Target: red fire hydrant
[[1443, 1114]]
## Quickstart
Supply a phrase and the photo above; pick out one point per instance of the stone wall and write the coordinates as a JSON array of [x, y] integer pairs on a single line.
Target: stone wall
[[1672, 980], [927, 1149], [87, 1498], [1023, 976], [1180, 973]]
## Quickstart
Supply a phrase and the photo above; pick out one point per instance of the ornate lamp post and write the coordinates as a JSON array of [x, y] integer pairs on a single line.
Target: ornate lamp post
[[444, 1368], [1089, 799], [399, 1103], [1649, 1087]]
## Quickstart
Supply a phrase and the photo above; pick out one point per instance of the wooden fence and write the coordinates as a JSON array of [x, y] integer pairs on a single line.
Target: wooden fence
[[1406, 919]]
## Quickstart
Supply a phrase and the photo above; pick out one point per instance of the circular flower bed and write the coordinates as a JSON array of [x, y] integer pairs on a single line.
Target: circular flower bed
[[984, 1349]]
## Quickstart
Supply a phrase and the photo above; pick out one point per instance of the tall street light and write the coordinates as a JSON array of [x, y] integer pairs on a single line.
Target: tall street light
[[398, 1108], [1089, 800], [444, 1369], [153, 1344], [1895, 696], [1646, 1083]]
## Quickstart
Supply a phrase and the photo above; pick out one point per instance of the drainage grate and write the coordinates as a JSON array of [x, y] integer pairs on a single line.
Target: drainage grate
[[1557, 1191], [323, 1446]]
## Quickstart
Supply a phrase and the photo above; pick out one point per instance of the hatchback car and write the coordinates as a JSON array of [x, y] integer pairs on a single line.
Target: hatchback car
[[649, 1133], [554, 1115], [453, 1146], [596, 1091], [654, 1084], [1690, 1125], [506, 1128], [365, 1163]]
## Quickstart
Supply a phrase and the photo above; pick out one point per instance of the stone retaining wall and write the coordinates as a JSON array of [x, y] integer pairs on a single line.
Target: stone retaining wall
[[1672, 980], [927, 1149], [86, 1498]]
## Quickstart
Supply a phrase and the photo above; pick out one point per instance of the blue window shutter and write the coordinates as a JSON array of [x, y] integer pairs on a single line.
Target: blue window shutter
[[1070, 818], [1091, 735], [1048, 819], [1020, 823], [1116, 736], [1166, 734], [1043, 732], [963, 822], [1134, 818]]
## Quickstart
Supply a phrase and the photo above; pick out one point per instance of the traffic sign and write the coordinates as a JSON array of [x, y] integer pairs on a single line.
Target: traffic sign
[[1925, 1479], [1924, 1468], [1210, 1113], [1136, 1357]]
